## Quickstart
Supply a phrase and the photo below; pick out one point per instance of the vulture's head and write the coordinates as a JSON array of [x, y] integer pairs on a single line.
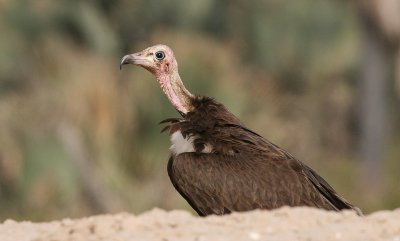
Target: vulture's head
[[160, 61]]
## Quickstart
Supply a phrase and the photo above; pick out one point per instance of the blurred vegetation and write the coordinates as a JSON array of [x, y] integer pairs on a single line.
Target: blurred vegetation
[[79, 137]]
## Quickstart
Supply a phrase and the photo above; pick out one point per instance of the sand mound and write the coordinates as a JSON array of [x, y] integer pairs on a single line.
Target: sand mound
[[281, 224]]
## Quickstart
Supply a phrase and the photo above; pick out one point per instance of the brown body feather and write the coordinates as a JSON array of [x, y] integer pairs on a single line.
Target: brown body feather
[[243, 171]]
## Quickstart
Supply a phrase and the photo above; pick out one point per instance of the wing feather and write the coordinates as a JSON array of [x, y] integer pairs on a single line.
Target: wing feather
[[244, 171], [261, 175]]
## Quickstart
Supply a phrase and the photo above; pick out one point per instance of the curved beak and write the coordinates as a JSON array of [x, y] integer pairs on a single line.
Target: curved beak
[[136, 58], [127, 59]]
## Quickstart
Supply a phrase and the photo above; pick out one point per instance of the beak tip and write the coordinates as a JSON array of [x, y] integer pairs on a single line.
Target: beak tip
[[123, 61]]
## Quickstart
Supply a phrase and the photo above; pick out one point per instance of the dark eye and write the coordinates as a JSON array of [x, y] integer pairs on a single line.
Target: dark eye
[[160, 55]]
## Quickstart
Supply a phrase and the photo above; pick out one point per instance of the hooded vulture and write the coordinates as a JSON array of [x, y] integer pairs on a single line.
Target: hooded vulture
[[218, 164]]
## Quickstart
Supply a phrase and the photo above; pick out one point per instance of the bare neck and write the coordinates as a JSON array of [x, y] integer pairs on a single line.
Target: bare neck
[[176, 92]]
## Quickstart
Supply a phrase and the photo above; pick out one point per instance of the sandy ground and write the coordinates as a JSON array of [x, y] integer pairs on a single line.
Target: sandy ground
[[281, 224]]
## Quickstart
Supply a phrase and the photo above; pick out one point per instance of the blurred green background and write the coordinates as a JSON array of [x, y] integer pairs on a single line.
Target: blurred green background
[[79, 137]]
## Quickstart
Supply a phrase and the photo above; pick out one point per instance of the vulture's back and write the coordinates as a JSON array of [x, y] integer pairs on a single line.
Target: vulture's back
[[226, 167]]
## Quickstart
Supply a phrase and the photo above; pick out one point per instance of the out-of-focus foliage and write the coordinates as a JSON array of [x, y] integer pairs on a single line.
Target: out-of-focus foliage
[[78, 136]]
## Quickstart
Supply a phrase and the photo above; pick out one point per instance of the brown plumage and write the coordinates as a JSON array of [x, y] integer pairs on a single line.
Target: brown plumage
[[220, 166]]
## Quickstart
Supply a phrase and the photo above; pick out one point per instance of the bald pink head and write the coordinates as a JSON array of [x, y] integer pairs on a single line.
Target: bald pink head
[[160, 61]]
